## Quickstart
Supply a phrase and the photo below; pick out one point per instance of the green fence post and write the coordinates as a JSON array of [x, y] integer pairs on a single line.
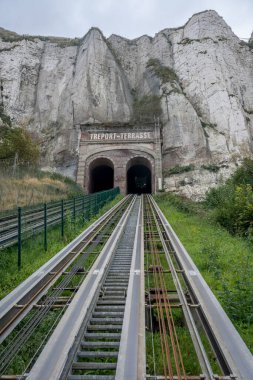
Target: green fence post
[[74, 209], [45, 226], [96, 204], [19, 237], [101, 202], [88, 208], [91, 205], [62, 218], [83, 208]]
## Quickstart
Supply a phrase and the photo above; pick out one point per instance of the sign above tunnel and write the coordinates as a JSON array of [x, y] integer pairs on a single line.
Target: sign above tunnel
[[119, 146], [118, 136]]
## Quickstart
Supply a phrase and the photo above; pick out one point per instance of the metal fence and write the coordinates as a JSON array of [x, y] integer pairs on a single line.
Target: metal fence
[[26, 222]]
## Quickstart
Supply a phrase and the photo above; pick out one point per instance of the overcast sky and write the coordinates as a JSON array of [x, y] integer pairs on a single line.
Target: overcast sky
[[128, 18]]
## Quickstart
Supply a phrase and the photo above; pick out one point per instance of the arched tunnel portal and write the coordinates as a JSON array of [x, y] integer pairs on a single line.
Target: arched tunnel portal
[[138, 176], [101, 175]]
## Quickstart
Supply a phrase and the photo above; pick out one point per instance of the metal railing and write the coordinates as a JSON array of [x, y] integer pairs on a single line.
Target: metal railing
[[26, 222]]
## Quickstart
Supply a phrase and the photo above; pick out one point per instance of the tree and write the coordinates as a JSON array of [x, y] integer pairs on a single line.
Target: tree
[[18, 143]]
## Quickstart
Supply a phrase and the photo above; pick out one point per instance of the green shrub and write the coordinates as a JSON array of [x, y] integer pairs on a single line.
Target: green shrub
[[244, 210], [165, 73], [244, 174], [232, 203], [179, 169], [18, 142], [211, 168], [220, 195], [5, 118]]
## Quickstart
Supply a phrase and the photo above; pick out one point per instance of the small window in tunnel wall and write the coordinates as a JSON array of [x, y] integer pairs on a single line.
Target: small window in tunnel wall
[[101, 178], [139, 180]]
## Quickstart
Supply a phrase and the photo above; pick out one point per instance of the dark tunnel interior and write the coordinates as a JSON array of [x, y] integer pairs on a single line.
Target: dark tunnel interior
[[139, 180], [101, 178]]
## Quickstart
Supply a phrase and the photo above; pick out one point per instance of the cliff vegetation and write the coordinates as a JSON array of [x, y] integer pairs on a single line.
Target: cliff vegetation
[[165, 73]]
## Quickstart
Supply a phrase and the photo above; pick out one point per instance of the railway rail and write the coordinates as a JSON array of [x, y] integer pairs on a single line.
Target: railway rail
[[141, 311]]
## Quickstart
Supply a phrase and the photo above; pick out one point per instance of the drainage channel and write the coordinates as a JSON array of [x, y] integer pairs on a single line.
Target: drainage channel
[[94, 354]]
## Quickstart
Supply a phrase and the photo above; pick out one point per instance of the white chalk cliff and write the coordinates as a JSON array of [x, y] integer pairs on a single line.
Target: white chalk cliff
[[51, 85]]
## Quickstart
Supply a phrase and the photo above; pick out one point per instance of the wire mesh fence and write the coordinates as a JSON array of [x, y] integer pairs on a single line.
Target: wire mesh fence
[[27, 222]]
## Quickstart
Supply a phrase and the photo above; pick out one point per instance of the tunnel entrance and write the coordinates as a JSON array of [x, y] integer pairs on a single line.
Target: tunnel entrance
[[139, 176], [101, 175]]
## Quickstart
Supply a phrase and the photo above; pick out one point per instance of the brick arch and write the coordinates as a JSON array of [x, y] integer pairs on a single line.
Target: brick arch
[[131, 148], [119, 159], [140, 157], [94, 157]]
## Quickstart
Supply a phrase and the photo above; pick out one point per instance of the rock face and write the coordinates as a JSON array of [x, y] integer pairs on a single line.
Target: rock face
[[202, 73], [49, 88]]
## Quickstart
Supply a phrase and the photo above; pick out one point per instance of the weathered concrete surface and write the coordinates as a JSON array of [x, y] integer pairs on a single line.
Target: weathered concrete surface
[[207, 107]]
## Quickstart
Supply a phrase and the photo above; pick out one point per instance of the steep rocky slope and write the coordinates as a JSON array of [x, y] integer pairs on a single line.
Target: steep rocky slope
[[202, 73]]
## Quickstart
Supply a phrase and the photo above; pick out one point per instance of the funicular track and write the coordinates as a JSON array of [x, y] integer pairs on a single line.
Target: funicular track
[[196, 338], [94, 349], [39, 295], [163, 300], [143, 311], [99, 338]]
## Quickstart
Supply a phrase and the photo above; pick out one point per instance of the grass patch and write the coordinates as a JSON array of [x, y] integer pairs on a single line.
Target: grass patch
[[33, 254], [155, 363], [225, 261], [27, 352], [28, 188]]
